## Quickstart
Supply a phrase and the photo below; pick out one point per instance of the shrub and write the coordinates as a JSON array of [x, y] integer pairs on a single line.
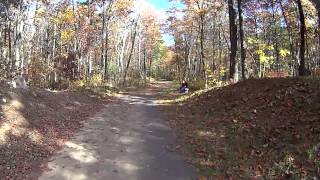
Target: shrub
[[197, 84], [78, 84], [94, 81], [38, 72]]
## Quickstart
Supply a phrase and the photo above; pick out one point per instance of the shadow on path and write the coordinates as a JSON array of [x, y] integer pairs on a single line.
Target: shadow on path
[[127, 140]]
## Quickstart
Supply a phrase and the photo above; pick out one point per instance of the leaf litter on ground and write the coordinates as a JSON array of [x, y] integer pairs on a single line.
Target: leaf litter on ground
[[265, 128], [35, 123]]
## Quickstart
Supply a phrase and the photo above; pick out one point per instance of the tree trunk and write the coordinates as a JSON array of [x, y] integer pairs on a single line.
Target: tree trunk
[[302, 65], [10, 62], [275, 37], [233, 39], [292, 51], [130, 55], [213, 48], [144, 65], [319, 25], [317, 5], [318, 10], [106, 54], [150, 67], [220, 47], [139, 54], [102, 34], [202, 45], [241, 33], [121, 58]]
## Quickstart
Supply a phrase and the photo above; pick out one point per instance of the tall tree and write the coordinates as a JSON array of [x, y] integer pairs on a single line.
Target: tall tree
[[133, 40], [241, 33], [202, 13], [317, 5], [233, 39], [302, 63]]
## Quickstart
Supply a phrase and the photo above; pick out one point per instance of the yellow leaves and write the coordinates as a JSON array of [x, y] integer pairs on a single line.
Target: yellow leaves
[[40, 13], [123, 6], [96, 80], [68, 15], [263, 50], [260, 51], [310, 23], [263, 58], [64, 17], [309, 8], [200, 11], [264, 47], [67, 35], [56, 20], [251, 40], [222, 71], [311, 14], [209, 72], [284, 53], [270, 47]]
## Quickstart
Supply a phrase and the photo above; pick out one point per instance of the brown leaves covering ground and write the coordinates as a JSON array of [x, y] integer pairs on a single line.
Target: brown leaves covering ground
[[35, 123], [267, 128]]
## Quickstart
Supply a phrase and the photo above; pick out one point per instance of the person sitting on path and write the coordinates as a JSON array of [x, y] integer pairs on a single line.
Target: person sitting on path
[[184, 87]]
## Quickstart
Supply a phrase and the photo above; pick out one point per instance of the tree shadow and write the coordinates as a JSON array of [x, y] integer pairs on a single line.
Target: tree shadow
[[133, 140], [34, 124], [246, 129]]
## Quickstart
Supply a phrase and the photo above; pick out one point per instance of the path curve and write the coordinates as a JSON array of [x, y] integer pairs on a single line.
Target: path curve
[[127, 140]]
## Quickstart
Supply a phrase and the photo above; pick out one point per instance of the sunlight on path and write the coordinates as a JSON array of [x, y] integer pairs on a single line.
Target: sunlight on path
[[126, 141]]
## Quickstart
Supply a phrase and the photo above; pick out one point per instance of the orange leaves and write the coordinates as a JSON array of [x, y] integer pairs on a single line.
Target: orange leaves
[[203, 178], [199, 7], [123, 7], [151, 28], [168, 58]]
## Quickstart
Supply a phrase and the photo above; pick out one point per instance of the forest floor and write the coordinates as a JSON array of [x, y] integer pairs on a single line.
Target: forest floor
[[256, 129], [35, 123]]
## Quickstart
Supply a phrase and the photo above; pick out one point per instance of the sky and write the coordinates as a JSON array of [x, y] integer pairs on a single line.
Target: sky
[[162, 6]]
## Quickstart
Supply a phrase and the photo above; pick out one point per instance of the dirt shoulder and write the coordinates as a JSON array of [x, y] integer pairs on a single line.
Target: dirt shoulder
[[34, 124], [267, 128]]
